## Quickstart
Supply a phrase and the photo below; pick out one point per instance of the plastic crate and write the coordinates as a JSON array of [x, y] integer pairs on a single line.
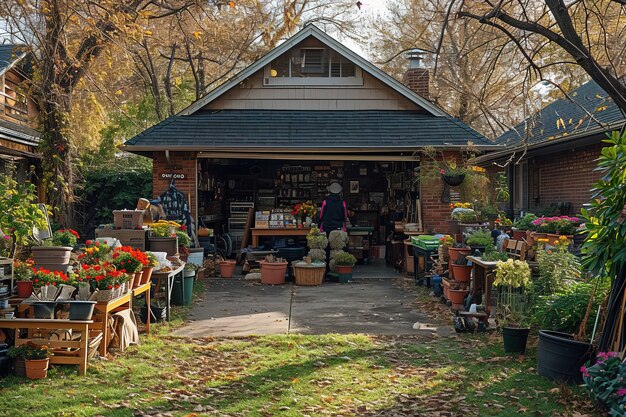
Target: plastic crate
[[128, 219], [425, 242]]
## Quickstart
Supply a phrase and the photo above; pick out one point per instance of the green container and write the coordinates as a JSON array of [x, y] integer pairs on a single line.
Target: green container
[[182, 290], [425, 242], [344, 278]]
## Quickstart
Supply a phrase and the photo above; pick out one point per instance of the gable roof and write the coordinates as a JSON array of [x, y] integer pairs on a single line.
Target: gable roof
[[356, 130], [10, 55], [565, 118], [314, 31], [18, 133]]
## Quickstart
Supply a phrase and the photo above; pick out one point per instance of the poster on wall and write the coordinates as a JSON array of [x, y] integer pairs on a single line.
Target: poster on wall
[[354, 187]]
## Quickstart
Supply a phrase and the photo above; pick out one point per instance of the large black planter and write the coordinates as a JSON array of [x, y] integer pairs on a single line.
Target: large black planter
[[559, 356], [81, 310], [450, 181], [453, 180], [515, 339]]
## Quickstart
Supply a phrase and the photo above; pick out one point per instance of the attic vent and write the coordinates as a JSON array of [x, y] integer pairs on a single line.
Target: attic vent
[[312, 61]]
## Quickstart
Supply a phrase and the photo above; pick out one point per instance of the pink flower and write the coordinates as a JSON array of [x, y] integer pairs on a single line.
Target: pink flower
[[584, 371], [442, 171], [7, 237], [602, 356], [621, 392]]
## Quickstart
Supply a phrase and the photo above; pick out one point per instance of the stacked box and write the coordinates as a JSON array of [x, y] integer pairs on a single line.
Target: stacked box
[[135, 238], [262, 220]]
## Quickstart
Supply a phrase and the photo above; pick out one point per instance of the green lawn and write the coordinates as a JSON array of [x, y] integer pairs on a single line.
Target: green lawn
[[297, 375]]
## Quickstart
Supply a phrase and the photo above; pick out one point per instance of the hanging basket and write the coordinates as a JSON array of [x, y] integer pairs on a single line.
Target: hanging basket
[[453, 180]]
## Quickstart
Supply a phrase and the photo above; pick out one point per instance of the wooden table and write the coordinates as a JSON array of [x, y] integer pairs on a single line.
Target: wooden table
[[483, 278], [103, 309], [169, 277], [55, 324], [276, 232]]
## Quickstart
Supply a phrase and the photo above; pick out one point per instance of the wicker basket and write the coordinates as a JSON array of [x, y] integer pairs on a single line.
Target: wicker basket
[[308, 274]]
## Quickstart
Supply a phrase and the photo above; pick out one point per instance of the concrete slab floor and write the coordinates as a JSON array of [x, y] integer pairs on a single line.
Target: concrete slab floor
[[370, 306]]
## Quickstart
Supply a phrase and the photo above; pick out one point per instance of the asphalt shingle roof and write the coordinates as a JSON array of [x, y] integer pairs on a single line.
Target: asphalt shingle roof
[[565, 117], [324, 129]]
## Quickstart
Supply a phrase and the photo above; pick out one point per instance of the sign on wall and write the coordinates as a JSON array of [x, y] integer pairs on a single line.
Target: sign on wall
[[172, 175]]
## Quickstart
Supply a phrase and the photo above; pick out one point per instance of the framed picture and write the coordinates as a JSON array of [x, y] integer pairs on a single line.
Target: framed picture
[[354, 187]]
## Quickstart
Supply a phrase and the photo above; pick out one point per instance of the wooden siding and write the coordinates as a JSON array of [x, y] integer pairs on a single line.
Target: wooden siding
[[12, 84], [252, 95]]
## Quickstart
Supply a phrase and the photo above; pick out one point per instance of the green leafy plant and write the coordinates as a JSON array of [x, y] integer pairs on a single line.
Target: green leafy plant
[[344, 259], [467, 217], [557, 266], [65, 237], [525, 222], [17, 352], [605, 246], [183, 238], [491, 254], [34, 351], [480, 238], [511, 276], [565, 310], [19, 212], [605, 380]]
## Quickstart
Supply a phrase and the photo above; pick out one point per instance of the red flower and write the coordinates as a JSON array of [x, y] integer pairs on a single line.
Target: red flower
[[88, 242]]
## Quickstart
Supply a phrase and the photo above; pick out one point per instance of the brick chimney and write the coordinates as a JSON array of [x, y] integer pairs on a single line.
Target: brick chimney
[[417, 77]]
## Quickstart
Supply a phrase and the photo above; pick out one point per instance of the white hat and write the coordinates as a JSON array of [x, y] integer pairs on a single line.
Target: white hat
[[335, 188]]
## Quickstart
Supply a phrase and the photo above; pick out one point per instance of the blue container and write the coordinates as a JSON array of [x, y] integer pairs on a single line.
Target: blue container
[[436, 283]]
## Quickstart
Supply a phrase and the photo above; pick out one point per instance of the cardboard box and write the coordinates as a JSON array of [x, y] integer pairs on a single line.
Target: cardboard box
[[261, 220], [135, 238]]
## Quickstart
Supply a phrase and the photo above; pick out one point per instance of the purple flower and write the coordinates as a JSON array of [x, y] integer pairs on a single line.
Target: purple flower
[[7, 237], [621, 392]]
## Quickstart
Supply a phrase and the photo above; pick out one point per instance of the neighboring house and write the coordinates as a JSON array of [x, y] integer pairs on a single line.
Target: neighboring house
[[18, 112], [310, 104], [557, 150]]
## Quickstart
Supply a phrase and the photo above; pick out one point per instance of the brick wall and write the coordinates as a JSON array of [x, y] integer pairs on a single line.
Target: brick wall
[[435, 214], [181, 162], [565, 177], [418, 80]]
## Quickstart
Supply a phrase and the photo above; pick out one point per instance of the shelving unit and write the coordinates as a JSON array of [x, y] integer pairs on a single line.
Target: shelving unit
[[6, 279]]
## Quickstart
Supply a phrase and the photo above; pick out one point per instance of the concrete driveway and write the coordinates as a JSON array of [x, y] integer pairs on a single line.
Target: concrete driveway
[[240, 308]]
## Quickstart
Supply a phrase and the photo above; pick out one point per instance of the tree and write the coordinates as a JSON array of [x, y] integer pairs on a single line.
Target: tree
[[591, 35], [476, 72]]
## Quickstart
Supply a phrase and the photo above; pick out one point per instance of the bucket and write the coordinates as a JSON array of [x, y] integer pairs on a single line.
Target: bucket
[[559, 356], [437, 288], [515, 339], [182, 290], [81, 310], [44, 309]]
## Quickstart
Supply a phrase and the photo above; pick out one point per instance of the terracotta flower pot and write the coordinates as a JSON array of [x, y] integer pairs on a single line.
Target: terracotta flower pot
[[131, 281], [54, 258], [273, 273], [345, 273], [24, 289], [227, 269], [137, 280], [146, 274], [457, 296], [455, 253], [462, 273], [37, 368]]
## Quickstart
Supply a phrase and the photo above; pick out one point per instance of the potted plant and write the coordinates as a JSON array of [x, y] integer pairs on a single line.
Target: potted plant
[[184, 241], [55, 253], [522, 225], [19, 212], [273, 270], [317, 242], [479, 239], [227, 268], [447, 242], [503, 222], [146, 272], [131, 261], [37, 360], [17, 353], [511, 276], [604, 378], [23, 273], [344, 262], [48, 282], [163, 237], [95, 252]]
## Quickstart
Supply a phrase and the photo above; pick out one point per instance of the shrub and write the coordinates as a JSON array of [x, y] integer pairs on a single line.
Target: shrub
[[480, 238], [565, 310], [344, 259], [526, 222]]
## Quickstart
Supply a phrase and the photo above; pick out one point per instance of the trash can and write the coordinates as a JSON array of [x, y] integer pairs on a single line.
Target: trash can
[[437, 288], [182, 290]]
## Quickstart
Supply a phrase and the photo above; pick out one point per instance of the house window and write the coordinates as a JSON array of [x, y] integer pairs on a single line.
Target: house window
[[316, 65], [521, 186]]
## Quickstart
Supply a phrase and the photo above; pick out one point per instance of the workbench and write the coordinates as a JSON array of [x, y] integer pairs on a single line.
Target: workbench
[[256, 233]]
